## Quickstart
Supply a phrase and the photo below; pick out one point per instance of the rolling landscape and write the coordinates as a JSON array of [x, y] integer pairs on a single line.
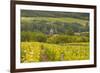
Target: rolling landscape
[[48, 36]]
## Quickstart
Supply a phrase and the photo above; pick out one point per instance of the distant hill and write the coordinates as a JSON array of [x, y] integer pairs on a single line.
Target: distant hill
[[56, 14]]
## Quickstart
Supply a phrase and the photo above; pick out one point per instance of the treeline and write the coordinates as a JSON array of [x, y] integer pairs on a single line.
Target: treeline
[[56, 38], [37, 13], [53, 26]]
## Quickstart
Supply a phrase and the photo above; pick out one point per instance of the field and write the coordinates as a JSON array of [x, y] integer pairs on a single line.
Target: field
[[50, 19], [36, 52]]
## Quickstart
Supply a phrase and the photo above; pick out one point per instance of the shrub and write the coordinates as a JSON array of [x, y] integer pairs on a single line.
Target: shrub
[[26, 36], [40, 37], [33, 36], [67, 39]]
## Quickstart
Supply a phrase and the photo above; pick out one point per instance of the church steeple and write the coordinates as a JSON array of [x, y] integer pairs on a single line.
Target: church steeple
[[51, 31]]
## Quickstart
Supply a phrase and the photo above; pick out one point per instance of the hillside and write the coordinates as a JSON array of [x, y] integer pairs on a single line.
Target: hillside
[[36, 13], [57, 25], [54, 22]]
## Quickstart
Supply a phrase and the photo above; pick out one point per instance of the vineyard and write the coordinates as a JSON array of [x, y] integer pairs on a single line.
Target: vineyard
[[48, 36], [40, 52]]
